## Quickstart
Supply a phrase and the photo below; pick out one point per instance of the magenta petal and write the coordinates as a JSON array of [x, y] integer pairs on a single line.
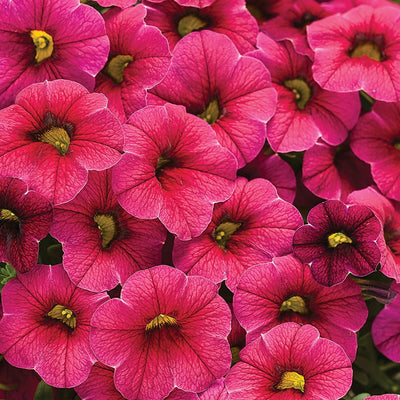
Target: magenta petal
[[189, 354]]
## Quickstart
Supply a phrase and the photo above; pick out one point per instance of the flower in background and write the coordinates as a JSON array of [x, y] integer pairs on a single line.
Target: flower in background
[[385, 329], [334, 172], [290, 362], [358, 50], [139, 59], [167, 330], [47, 40], [54, 134], [173, 169], [229, 17], [25, 219], [103, 245], [231, 92], [285, 291], [270, 166], [337, 240], [45, 325], [253, 226], [376, 141], [305, 112]]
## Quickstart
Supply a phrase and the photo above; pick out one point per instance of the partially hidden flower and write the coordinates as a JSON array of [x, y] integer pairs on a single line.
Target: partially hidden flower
[[290, 362], [251, 227], [376, 141], [337, 240], [167, 330], [103, 245], [54, 134], [305, 112], [358, 50], [139, 58], [229, 17], [25, 219], [231, 92], [45, 325], [47, 40], [173, 169], [285, 291]]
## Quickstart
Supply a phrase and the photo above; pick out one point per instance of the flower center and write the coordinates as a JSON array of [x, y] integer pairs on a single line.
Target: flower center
[[108, 226], [291, 380], [115, 67], [235, 355], [212, 112], [44, 45], [338, 238], [367, 48], [301, 89], [163, 162], [58, 137], [224, 231], [295, 304], [190, 23], [7, 215], [260, 9], [63, 314], [306, 19], [161, 321]]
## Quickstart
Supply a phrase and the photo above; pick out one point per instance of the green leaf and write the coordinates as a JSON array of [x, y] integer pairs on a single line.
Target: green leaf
[[361, 396], [43, 392], [7, 272]]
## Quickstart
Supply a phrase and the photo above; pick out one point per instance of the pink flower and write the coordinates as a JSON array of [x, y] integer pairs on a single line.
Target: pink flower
[[173, 169], [103, 245], [250, 228], [167, 330], [231, 92], [270, 166], [229, 17], [46, 325], [334, 172], [389, 214], [285, 291], [305, 112], [337, 240], [290, 362], [25, 219], [375, 140], [384, 397], [47, 40], [54, 134], [217, 391], [385, 329], [358, 50], [139, 59]]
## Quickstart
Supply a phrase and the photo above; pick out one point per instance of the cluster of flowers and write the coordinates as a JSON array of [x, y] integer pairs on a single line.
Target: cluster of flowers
[[150, 141]]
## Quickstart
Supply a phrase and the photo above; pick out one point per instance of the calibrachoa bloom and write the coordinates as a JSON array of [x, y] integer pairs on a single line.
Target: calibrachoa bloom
[[386, 329], [173, 169], [25, 219], [270, 166], [389, 214], [285, 291], [45, 325], [231, 92], [54, 134], [376, 140], [46, 40], [334, 172], [167, 330], [290, 362], [103, 245], [229, 17], [251, 227], [139, 59], [337, 240], [305, 112], [384, 397], [359, 50]]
